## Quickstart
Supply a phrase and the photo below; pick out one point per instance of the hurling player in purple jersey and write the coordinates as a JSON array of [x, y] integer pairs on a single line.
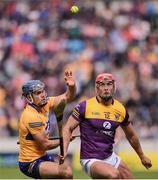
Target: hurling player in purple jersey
[[98, 118]]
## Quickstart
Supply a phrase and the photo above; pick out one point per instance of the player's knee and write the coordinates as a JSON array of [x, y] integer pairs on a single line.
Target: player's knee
[[126, 174], [114, 174], [68, 173]]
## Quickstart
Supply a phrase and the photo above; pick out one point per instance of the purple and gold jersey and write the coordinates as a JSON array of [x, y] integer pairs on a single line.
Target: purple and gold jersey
[[97, 125], [33, 122]]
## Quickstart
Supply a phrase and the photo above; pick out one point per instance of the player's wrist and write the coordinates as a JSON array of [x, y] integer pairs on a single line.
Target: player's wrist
[[141, 155], [71, 85]]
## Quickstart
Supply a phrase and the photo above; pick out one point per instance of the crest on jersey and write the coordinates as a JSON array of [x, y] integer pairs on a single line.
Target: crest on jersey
[[117, 116], [107, 125]]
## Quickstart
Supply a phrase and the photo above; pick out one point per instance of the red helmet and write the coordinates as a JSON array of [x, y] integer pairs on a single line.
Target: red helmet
[[104, 76]]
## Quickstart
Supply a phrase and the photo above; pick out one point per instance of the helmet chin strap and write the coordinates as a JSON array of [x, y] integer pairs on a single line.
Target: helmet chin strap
[[41, 105], [38, 107], [29, 100]]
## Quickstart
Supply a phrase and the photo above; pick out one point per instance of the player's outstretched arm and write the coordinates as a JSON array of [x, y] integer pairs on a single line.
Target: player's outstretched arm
[[70, 82], [61, 100], [135, 143], [70, 125]]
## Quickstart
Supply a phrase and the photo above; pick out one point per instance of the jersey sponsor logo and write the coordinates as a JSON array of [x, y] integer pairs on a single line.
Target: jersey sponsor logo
[[108, 133], [107, 125], [96, 113], [36, 124]]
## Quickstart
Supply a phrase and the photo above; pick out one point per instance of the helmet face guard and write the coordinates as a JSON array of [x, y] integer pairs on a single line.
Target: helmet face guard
[[32, 86]]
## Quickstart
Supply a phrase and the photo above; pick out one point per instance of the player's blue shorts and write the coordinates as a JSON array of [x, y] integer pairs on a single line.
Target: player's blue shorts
[[31, 169]]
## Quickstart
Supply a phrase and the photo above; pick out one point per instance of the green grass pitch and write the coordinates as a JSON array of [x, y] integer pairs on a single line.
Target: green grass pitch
[[14, 173]]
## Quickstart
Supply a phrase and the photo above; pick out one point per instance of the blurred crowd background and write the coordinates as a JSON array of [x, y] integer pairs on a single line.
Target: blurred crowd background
[[40, 39]]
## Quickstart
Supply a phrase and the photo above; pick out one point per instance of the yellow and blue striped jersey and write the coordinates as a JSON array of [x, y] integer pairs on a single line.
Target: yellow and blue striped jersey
[[32, 122]]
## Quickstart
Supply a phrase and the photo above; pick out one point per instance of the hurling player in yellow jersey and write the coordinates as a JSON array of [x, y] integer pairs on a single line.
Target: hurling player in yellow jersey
[[34, 130], [98, 118]]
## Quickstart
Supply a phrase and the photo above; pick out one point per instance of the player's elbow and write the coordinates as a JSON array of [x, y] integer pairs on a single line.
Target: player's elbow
[[44, 146], [50, 144]]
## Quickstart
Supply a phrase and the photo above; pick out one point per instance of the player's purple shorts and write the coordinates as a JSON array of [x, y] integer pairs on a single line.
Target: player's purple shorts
[[31, 169]]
